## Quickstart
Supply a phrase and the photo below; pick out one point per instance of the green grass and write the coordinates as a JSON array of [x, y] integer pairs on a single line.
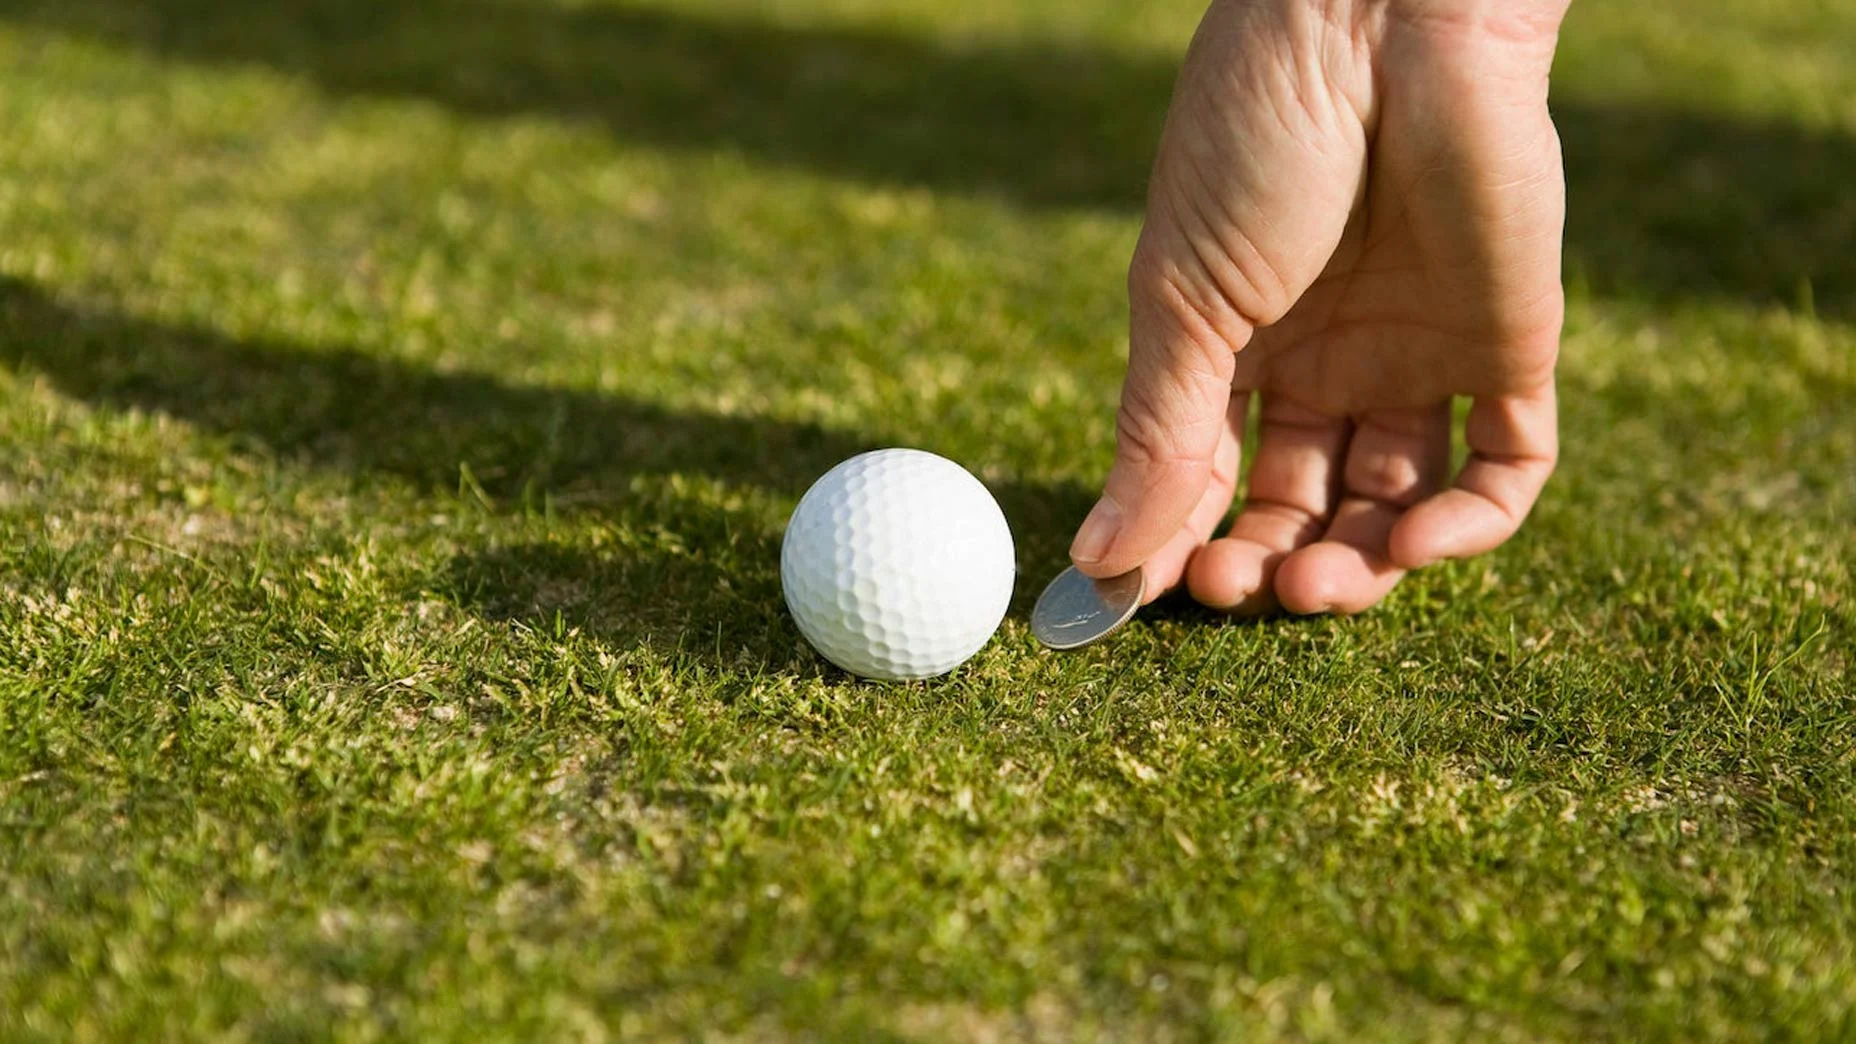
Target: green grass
[[400, 402]]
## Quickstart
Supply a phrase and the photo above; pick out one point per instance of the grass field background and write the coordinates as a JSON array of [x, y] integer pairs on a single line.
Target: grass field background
[[400, 402]]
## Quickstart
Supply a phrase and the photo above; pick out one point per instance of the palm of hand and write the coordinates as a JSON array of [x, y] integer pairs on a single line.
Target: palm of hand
[[1437, 288]]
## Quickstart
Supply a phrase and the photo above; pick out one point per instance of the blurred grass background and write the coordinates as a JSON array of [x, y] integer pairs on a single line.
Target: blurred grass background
[[401, 400]]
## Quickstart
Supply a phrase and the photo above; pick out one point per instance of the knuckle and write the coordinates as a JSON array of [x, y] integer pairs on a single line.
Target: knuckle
[[1218, 290], [1139, 434], [1386, 478], [1161, 425], [1183, 319], [1145, 436], [1177, 329], [1153, 275]]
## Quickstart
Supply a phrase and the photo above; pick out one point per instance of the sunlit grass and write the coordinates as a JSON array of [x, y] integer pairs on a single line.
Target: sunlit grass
[[401, 402]]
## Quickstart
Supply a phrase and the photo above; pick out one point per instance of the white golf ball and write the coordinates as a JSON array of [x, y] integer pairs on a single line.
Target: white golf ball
[[897, 564]]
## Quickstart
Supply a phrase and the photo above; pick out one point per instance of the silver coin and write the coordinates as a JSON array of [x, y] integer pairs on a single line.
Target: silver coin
[[1075, 610]]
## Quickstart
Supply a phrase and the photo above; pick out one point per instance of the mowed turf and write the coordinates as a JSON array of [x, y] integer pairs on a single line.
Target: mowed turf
[[400, 402]]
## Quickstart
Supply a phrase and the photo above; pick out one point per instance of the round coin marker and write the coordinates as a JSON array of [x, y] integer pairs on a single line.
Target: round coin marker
[[1075, 610]]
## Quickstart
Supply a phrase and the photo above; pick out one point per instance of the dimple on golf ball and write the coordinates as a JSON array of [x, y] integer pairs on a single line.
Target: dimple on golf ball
[[897, 565]]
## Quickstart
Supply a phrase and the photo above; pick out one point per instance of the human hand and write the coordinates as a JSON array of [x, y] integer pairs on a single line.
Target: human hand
[[1356, 214]]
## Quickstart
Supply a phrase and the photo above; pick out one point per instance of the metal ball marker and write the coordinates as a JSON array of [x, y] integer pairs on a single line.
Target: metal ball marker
[[1076, 611]]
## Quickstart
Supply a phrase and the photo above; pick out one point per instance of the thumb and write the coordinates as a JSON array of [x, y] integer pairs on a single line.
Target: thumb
[[1181, 356], [1259, 167]]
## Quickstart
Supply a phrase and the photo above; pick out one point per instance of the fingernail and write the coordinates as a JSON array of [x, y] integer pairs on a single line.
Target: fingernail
[[1098, 532]]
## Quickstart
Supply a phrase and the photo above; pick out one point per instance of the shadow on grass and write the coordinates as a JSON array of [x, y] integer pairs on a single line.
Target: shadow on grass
[[677, 566], [1666, 204], [1669, 206], [1046, 124]]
